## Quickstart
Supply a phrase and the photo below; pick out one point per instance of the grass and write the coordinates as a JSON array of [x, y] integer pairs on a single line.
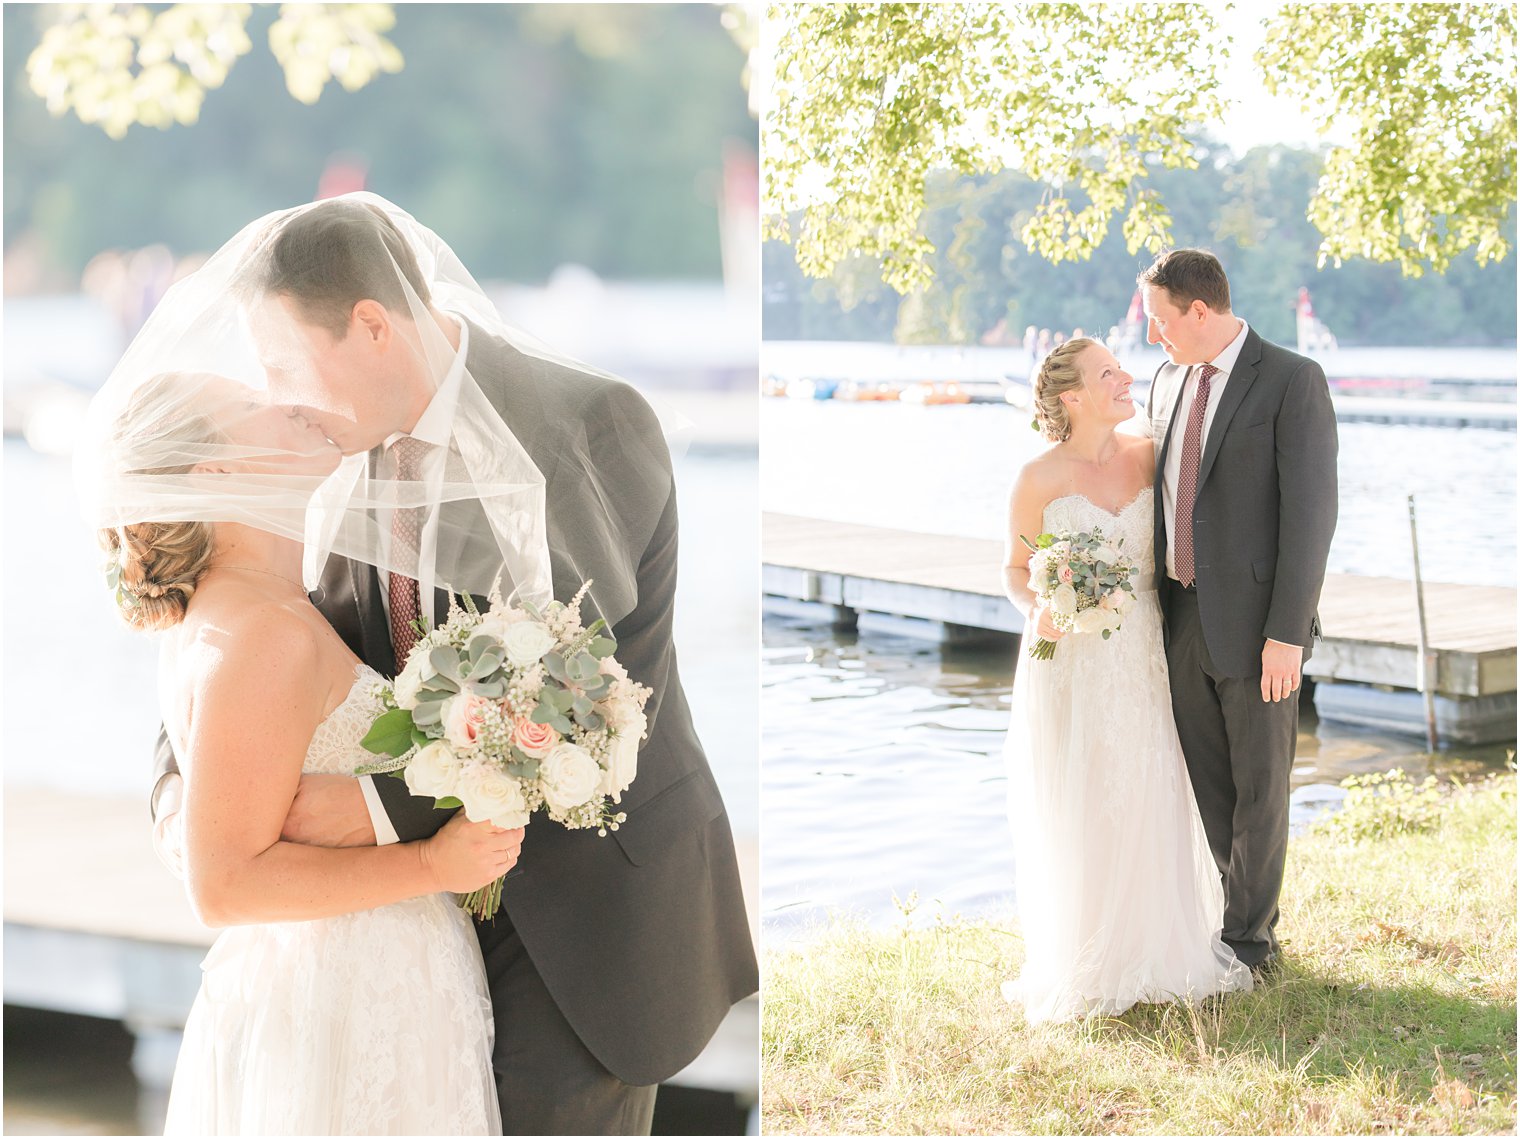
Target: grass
[[1394, 1011]]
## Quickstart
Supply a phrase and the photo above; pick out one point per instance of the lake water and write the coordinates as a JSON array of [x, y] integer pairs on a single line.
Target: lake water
[[881, 769], [882, 776]]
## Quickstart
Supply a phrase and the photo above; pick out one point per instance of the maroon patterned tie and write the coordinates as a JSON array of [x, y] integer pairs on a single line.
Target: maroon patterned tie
[[1187, 476], [406, 540]]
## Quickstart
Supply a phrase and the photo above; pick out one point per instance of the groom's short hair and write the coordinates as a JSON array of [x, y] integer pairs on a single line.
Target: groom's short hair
[[1190, 275], [333, 255]]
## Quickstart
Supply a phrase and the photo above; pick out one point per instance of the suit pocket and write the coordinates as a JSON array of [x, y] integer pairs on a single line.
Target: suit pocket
[[1253, 437], [1264, 569], [690, 802]]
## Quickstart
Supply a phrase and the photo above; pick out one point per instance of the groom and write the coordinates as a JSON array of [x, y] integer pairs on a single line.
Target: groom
[[1245, 470], [614, 959]]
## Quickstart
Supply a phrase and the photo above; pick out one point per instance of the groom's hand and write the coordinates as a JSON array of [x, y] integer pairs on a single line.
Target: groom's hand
[[1280, 670], [329, 810]]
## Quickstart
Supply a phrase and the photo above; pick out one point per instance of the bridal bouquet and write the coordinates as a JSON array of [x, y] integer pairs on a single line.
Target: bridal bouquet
[[1084, 582], [510, 711]]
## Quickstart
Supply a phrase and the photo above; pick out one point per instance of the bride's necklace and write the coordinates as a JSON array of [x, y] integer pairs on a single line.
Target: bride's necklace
[[266, 573]]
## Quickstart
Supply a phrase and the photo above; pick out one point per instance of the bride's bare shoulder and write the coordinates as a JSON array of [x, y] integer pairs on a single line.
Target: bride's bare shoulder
[[1141, 451], [230, 624], [1043, 476]]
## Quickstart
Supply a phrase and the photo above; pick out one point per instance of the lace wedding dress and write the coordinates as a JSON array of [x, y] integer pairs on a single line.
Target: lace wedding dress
[[1118, 895], [372, 1023]]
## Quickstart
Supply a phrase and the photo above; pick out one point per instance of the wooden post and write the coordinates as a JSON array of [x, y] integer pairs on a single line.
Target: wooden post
[[1423, 677]]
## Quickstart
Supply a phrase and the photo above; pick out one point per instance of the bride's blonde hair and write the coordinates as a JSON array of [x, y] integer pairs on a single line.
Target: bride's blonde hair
[[157, 565], [1059, 373]]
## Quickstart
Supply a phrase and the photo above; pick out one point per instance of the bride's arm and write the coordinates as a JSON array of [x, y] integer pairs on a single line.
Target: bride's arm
[[1026, 518], [255, 710]]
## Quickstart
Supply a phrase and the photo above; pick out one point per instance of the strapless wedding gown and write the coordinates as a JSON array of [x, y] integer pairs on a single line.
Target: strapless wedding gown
[[1119, 898], [372, 1023]]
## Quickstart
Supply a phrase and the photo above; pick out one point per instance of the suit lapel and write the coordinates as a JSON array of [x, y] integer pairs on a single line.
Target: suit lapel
[[1158, 498], [1171, 423], [1235, 389], [379, 653]]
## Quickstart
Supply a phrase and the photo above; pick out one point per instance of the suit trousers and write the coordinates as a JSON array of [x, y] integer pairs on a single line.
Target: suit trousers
[[1239, 750], [547, 1081]]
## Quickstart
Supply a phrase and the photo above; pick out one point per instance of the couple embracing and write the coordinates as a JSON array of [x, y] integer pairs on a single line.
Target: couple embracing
[[318, 439], [1149, 769]]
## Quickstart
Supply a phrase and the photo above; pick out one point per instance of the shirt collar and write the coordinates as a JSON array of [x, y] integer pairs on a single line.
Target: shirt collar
[[436, 423], [1225, 361]]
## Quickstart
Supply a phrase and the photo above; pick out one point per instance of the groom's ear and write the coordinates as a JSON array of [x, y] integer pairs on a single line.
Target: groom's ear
[[372, 321]]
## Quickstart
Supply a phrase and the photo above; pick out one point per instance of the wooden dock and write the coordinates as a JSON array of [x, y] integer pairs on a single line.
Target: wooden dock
[[951, 587], [96, 925]]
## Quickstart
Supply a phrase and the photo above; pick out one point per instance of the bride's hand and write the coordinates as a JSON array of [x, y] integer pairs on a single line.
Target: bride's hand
[[466, 856], [1044, 627]]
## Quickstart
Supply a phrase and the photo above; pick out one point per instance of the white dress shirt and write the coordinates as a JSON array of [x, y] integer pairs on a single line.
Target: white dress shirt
[[1225, 361], [435, 427]]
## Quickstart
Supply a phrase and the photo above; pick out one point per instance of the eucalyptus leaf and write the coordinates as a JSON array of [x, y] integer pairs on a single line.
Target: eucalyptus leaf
[[525, 768], [445, 662], [447, 803], [391, 733]]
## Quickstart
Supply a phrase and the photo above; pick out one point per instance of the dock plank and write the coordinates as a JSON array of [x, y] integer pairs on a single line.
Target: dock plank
[[1471, 627]]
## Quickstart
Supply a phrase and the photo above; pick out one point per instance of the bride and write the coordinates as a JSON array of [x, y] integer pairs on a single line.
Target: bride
[[349, 996], [1118, 895]]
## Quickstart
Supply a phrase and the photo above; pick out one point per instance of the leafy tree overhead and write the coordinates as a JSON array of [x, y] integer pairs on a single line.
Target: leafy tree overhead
[[870, 98], [1429, 92], [1250, 210], [1095, 102], [123, 64]]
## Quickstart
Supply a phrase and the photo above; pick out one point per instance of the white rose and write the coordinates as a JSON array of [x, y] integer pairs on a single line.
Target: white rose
[[526, 643], [409, 683], [490, 794], [569, 776], [1064, 600], [621, 710], [498, 621], [610, 667], [622, 765], [1106, 554], [433, 771], [1092, 621]]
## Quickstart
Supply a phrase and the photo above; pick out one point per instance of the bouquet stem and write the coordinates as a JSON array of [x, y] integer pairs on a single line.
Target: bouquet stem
[[482, 904], [1043, 649]]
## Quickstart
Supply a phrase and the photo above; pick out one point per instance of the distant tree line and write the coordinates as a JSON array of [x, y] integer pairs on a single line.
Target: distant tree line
[[525, 137], [1248, 210]]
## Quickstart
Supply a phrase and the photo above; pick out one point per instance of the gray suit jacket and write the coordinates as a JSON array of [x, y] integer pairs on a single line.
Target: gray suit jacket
[[641, 937], [1266, 505]]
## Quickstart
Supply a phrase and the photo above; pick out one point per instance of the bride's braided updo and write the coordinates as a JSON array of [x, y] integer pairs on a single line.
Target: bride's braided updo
[[1059, 373], [156, 565]]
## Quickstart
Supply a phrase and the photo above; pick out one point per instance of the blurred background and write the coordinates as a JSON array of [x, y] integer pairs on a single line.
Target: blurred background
[[595, 168]]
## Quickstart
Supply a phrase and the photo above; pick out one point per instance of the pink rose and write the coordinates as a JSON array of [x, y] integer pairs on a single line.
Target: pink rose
[[537, 740], [1113, 599], [1064, 573], [463, 717]]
